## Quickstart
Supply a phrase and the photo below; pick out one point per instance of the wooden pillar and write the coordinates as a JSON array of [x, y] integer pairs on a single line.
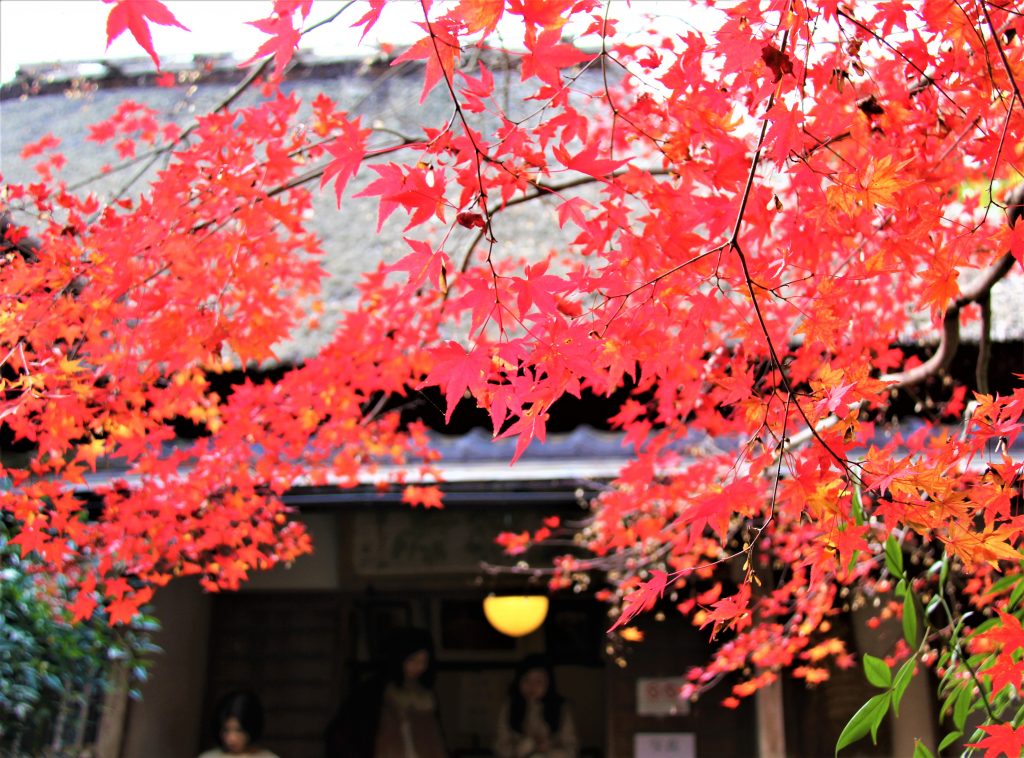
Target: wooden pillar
[[771, 729], [114, 714]]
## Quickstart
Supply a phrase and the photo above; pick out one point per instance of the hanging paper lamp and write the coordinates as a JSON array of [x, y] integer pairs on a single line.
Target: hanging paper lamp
[[516, 615]]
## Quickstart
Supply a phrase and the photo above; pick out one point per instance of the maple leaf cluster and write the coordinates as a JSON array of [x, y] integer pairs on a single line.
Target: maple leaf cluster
[[755, 220]]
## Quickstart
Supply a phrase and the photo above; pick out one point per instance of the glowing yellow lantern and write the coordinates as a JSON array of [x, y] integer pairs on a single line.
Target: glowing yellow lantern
[[516, 615]]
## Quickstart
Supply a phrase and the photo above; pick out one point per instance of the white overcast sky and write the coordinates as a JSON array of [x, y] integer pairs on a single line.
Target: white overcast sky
[[35, 31]]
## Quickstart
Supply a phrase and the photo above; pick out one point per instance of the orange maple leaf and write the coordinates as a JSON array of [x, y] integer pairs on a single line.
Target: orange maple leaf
[[428, 497], [480, 15]]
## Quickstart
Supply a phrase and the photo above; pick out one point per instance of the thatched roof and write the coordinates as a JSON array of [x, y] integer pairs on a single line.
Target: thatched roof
[[67, 102], [66, 98]]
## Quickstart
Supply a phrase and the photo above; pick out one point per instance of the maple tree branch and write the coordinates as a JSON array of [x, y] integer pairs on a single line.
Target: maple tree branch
[[977, 292], [479, 156], [733, 244], [327, 20], [224, 104], [316, 173], [1002, 55], [825, 144], [925, 78], [775, 488], [543, 189], [995, 164], [949, 339], [227, 102], [616, 113], [984, 344]]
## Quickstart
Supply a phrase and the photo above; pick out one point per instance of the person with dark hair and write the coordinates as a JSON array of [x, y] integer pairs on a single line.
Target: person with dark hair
[[238, 721], [394, 714], [536, 721]]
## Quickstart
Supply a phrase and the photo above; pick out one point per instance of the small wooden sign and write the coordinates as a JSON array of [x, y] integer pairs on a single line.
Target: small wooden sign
[[659, 696], [665, 745]]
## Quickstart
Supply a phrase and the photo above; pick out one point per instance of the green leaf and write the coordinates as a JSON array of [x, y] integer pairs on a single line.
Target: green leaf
[[932, 604], [877, 671], [910, 620], [1016, 595], [949, 739], [900, 683], [1004, 584], [894, 557], [921, 750], [864, 720], [954, 690], [962, 707], [858, 505], [879, 717]]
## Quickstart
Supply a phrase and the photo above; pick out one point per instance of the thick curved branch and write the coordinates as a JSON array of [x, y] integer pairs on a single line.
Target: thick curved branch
[[977, 292], [984, 345]]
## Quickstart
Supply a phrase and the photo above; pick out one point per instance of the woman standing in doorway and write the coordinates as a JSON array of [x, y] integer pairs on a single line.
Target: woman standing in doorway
[[394, 715]]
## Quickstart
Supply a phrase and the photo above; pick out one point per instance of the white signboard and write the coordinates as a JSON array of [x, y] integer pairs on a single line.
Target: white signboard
[[665, 745], [659, 696]]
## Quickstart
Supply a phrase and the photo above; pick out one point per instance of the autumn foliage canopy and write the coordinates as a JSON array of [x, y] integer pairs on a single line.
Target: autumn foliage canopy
[[762, 218]]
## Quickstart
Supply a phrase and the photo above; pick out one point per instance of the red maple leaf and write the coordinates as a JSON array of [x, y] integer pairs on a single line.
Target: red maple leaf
[[132, 15], [1002, 739], [440, 49], [643, 598], [1004, 669], [588, 161], [117, 587], [123, 611], [422, 264], [347, 151], [284, 38], [46, 143], [85, 601], [30, 539], [513, 544], [729, 611], [547, 14], [548, 56], [371, 17], [777, 61], [457, 370], [420, 190], [532, 423]]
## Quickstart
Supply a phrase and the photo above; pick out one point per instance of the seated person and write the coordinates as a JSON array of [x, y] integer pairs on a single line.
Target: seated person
[[239, 724], [536, 721]]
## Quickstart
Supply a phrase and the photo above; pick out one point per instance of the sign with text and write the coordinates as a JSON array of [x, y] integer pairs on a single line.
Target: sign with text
[[665, 745], [659, 696]]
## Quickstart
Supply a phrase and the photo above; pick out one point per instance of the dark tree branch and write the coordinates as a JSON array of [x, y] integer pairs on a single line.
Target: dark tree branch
[[542, 189], [976, 292], [984, 344], [26, 247]]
